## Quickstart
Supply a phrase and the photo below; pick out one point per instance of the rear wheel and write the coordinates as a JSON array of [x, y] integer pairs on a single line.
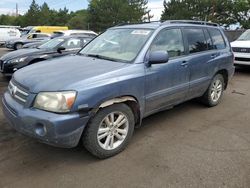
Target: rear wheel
[[213, 95], [109, 131], [18, 46]]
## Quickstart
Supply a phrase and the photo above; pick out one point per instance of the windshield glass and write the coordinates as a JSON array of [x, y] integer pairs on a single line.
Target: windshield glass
[[245, 35], [51, 43], [118, 44]]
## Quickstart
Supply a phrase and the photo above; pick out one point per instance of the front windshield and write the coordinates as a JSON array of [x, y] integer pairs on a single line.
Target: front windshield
[[51, 43], [118, 44], [245, 35]]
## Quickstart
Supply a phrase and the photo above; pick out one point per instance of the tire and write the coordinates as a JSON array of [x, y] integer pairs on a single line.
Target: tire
[[99, 144], [213, 96], [18, 46]]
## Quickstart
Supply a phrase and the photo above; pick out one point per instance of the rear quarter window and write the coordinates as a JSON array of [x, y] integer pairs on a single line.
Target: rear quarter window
[[217, 39]]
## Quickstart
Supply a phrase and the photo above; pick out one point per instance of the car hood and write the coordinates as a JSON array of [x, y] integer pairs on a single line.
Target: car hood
[[241, 44], [67, 73], [22, 53]]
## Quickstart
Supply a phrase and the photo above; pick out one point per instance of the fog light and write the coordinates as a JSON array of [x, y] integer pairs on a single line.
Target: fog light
[[40, 129], [15, 69]]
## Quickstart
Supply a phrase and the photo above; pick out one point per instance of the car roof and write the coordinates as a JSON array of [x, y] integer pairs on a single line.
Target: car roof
[[157, 24], [76, 31], [48, 34], [75, 36]]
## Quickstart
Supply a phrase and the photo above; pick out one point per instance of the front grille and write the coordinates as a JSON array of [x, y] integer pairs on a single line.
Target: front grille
[[242, 59], [17, 92], [241, 50]]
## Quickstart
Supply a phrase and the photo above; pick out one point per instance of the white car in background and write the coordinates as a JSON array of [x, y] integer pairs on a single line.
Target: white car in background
[[241, 49], [8, 33], [74, 32]]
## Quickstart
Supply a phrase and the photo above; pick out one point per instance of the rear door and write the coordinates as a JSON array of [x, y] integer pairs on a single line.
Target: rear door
[[200, 59], [167, 84]]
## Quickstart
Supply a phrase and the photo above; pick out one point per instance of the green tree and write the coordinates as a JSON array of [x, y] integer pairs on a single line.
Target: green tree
[[32, 17], [225, 12], [7, 20], [45, 15], [241, 12], [107, 13], [61, 17], [78, 20]]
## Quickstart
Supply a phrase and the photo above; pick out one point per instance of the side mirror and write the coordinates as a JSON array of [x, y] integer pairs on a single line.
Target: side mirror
[[60, 49], [158, 57]]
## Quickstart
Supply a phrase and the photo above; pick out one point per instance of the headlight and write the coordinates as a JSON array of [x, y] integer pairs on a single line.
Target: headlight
[[55, 101], [17, 60]]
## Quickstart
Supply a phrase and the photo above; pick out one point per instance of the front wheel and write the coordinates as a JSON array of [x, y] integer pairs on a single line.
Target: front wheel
[[109, 132], [214, 93], [18, 46]]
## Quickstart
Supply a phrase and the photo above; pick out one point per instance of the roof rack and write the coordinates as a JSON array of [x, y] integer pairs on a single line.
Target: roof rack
[[190, 22]]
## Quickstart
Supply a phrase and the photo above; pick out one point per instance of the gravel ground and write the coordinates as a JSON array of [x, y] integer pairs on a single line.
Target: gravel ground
[[188, 146]]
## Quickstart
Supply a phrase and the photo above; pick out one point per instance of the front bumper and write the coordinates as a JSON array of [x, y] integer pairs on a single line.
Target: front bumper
[[61, 130], [241, 61], [242, 58]]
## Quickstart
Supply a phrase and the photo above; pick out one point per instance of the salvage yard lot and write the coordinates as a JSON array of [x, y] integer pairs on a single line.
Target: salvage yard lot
[[188, 146]]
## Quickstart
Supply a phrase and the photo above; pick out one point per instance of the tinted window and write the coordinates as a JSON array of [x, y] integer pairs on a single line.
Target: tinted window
[[208, 40], [196, 40], [42, 36], [218, 41], [72, 43], [170, 41]]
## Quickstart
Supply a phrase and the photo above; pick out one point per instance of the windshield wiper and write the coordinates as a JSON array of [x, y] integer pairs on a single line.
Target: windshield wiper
[[101, 57]]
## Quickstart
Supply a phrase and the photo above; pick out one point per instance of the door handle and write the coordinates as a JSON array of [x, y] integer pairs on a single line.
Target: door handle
[[184, 63]]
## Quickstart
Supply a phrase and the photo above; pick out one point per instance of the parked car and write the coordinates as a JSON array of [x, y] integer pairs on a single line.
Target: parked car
[[129, 72], [241, 49], [8, 33], [57, 47], [74, 32], [17, 44]]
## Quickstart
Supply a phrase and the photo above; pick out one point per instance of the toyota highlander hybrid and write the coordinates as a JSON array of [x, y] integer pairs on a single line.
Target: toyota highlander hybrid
[[98, 96]]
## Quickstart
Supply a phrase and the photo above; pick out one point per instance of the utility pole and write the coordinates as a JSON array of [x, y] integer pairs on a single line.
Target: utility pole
[[16, 9]]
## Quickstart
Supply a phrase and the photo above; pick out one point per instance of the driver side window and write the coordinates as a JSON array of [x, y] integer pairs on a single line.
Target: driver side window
[[169, 40]]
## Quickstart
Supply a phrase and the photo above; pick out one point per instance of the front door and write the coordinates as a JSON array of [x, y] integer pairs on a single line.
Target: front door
[[167, 84]]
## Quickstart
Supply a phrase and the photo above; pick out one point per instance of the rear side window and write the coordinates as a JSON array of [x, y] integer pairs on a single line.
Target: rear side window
[[169, 40], [196, 40], [217, 38]]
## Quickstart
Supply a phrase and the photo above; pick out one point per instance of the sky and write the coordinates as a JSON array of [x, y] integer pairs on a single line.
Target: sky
[[8, 6]]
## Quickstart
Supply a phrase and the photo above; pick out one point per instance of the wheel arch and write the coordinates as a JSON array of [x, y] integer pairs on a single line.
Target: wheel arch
[[16, 44], [132, 103], [224, 73]]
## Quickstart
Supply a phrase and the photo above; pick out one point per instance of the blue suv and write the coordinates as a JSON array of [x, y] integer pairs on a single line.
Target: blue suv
[[99, 95]]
